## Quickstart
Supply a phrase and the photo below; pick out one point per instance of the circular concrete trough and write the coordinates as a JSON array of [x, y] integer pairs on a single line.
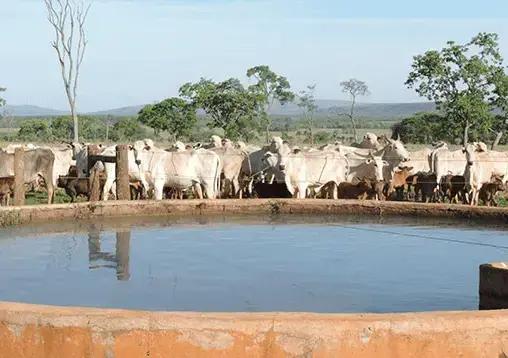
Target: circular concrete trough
[[48, 331]]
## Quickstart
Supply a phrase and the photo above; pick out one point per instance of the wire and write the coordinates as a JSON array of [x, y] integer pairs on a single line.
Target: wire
[[418, 236]]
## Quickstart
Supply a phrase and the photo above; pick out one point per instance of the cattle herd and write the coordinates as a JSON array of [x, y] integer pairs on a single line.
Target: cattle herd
[[378, 168]]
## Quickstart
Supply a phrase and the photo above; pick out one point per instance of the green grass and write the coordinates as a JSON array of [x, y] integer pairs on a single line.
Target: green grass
[[39, 197]]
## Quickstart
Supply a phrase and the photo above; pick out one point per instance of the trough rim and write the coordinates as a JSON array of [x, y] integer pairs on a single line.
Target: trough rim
[[13, 312]]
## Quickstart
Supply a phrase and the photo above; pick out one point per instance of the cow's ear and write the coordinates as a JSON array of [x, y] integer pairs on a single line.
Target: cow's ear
[[409, 168]]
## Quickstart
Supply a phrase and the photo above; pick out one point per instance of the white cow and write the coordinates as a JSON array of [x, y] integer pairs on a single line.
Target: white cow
[[304, 171], [482, 164], [231, 160], [446, 162], [394, 153], [157, 169], [420, 161], [370, 167]]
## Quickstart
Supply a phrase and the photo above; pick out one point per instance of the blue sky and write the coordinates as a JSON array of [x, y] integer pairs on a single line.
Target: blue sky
[[142, 51]]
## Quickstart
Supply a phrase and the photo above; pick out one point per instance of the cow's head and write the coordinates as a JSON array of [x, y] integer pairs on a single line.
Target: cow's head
[[271, 160], [395, 150], [138, 147], [378, 164], [471, 150], [179, 146]]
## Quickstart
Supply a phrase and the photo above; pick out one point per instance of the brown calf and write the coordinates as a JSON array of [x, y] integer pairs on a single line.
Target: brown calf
[[488, 191], [399, 183], [426, 183], [360, 191]]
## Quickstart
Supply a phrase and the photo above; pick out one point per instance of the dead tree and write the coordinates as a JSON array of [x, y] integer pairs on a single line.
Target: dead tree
[[68, 17]]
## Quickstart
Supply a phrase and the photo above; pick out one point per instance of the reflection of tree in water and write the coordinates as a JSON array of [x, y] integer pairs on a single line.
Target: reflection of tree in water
[[119, 260]]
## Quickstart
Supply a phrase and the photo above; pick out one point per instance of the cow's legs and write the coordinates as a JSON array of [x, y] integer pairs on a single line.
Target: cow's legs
[[198, 190], [158, 189], [301, 191], [51, 191], [235, 186], [107, 187]]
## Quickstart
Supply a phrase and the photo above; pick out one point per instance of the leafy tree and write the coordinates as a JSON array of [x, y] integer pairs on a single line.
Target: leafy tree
[[92, 128], [500, 101], [354, 88], [423, 128], [307, 103], [151, 118], [34, 130], [459, 79], [62, 128], [174, 115], [127, 129], [270, 87], [229, 105]]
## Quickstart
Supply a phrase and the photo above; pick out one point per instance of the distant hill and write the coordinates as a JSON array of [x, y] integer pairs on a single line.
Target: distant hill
[[31, 111], [370, 110], [119, 112]]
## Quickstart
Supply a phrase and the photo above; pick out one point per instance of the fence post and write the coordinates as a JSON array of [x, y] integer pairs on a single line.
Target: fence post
[[19, 176], [122, 172], [94, 190], [92, 149], [123, 243]]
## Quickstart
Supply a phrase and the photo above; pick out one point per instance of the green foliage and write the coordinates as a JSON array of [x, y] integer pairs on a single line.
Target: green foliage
[[323, 137], [62, 128], [91, 129], [229, 105], [423, 128], [460, 78], [174, 115], [127, 129], [269, 87], [34, 130]]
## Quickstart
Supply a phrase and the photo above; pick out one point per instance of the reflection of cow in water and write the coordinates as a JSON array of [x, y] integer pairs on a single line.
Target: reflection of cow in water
[[119, 260]]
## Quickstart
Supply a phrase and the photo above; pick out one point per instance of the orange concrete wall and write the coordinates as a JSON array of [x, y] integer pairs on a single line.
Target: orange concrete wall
[[41, 331]]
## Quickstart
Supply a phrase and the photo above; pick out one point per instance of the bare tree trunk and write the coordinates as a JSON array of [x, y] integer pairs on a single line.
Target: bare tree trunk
[[67, 18], [499, 135], [351, 116]]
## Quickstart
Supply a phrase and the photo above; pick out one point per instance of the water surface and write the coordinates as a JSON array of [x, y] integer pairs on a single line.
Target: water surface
[[315, 264]]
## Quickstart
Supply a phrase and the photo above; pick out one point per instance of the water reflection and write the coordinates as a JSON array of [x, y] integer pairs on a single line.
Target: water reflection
[[119, 260]]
